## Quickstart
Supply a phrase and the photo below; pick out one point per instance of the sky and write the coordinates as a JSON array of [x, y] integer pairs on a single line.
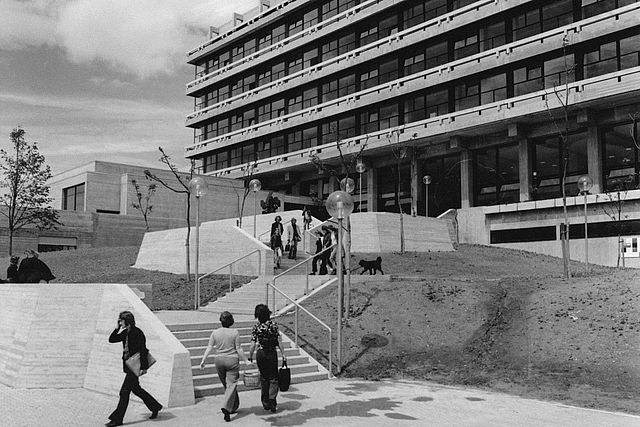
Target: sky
[[102, 79]]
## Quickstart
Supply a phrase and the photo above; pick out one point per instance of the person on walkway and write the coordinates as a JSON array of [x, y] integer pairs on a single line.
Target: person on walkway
[[33, 270], [133, 341], [334, 252], [326, 256], [318, 258], [266, 337], [229, 353], [293, 237], [12, 270], [277, 230]]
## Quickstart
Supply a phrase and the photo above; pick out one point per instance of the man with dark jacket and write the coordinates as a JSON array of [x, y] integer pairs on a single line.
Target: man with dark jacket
[[12, 271], [32, 270], [133, 341]]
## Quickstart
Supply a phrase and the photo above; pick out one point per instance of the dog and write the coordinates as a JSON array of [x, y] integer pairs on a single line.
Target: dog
[[371, 266]]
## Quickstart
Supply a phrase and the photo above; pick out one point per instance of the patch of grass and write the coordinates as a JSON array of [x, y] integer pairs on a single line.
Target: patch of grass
[[114, 265]]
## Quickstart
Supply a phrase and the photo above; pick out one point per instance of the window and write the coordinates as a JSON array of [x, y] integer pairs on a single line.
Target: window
[[264, 149], [277, 34], [73, 198], [295, 26], [526, 24], [249, 118], [235, 156], [264, 41], [493, 89], [444, 190], [310, 97], [621, 167], [630, 52], [294, 66], [346, 43], [527, 79], [334, 130], [414, 63], [466, 46], [294, 141], [548, 165], [249, 47], [236, 121], [329, 9], [277, 145], [557, 71], [215, 161], [237, 53], [437, 55], [329, 49], [310, 58], [467, 95], [264, 77], [294, 103], [277, 71], [310, 18], [310, 137], [556, 14], [414, 108], [248, 153], [379, 117], [601, 60], [496, 175], [54, 243]]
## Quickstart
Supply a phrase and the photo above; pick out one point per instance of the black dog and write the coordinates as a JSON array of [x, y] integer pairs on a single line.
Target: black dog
[[371, 266]]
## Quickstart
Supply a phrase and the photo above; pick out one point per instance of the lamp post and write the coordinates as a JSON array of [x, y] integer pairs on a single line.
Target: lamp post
[[427, 180], [348, 185], [360, 168], [339, 205], [255, 185], [585, 183], [199, 187]]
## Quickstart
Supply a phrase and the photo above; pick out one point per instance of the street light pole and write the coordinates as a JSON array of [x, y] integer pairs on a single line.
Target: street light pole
[[427, 180], [360, 168], [339, 204], [199, 186], [255, 185], [585, 183]]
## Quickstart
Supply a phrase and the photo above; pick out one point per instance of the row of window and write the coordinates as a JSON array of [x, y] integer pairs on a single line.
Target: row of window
[[531, 20], [608, 55], [496, 172], [73, 198]]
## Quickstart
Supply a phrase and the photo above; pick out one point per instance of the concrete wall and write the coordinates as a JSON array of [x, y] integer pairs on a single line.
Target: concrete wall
[[220, 244], [379, 232], [56, 336]]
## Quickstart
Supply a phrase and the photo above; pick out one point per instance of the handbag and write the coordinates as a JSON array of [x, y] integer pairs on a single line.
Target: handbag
[[287, 247], [133, 363], [284, 376]]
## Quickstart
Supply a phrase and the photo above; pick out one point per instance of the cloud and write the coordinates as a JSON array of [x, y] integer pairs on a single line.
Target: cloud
[[27, 23], [140, 37]]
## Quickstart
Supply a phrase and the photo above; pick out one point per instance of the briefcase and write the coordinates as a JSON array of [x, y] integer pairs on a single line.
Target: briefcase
[[133, 363]]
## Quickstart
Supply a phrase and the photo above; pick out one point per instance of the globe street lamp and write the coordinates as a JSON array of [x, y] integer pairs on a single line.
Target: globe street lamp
[[585, 183], [339, 205], [427, 180], [255, 185], [199, 187], [348, 185], [360, 168]]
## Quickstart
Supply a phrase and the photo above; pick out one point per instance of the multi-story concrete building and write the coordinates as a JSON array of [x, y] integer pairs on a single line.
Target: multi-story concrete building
[[475, 94]]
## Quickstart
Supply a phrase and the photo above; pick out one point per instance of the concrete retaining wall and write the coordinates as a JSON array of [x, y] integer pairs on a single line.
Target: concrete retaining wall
[[56, 336]]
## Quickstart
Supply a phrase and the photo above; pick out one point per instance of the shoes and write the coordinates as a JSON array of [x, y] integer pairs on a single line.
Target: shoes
[[312, 273], [113, 423], [227, 416], [154, 414]]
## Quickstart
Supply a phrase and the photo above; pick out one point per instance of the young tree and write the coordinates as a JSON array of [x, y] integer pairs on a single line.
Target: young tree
[[144, 201], [182, 187], [561, 126], [247, 176], [24, 176], [270, 204]]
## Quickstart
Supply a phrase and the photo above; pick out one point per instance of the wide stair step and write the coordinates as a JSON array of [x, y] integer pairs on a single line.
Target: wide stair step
[[195, 337]]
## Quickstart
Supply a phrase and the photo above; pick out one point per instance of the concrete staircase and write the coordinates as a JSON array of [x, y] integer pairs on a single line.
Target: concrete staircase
[[195, 338]]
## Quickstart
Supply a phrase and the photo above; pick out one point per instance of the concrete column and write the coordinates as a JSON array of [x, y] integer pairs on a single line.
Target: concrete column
[[525, 167], [466, 179], [372, 189], [416, 181], [594, 159]]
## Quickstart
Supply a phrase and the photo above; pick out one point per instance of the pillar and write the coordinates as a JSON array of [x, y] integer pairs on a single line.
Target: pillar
[[372, 189], [525, 168], [416, 181], [466, 179], [594, 159]]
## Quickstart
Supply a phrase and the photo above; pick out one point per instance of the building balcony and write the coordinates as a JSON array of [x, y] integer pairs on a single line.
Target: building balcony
[[437, 26], [578, 32], [602, 92], [333, 24]]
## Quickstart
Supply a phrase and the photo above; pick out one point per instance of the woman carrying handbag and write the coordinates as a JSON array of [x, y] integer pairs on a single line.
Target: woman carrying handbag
[[266, 338]]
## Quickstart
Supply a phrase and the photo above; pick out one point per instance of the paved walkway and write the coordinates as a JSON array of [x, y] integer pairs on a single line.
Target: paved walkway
[[329, 402]]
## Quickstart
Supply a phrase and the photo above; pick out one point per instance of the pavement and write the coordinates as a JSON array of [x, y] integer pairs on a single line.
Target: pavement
[[335, 402]]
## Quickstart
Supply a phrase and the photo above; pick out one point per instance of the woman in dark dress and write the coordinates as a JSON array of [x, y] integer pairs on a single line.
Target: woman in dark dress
[[266, 338], [277, 230]]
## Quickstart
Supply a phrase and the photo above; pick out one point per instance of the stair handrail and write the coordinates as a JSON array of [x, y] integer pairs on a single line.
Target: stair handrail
[[275, 289], [324, 325], [230, 265]]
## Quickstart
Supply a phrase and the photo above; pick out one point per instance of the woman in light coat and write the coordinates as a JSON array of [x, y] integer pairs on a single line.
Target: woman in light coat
[[229, 353]]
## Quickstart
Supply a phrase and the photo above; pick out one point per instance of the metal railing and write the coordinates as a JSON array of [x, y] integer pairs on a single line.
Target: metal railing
[[230, 265], [298, 307]]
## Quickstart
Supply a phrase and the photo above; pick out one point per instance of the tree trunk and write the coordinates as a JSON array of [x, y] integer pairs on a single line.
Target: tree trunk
[[10, 242], [400, 209]]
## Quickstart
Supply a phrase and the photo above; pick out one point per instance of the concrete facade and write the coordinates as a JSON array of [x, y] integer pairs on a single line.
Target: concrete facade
[[39, 351], [466, 91]]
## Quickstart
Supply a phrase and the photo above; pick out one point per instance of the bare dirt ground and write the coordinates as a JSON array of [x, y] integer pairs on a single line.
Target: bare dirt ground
[[492, 318]]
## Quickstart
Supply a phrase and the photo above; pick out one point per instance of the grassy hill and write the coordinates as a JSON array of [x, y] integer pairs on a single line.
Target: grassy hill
[[493, 318], [486, 317], [113, 265]]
